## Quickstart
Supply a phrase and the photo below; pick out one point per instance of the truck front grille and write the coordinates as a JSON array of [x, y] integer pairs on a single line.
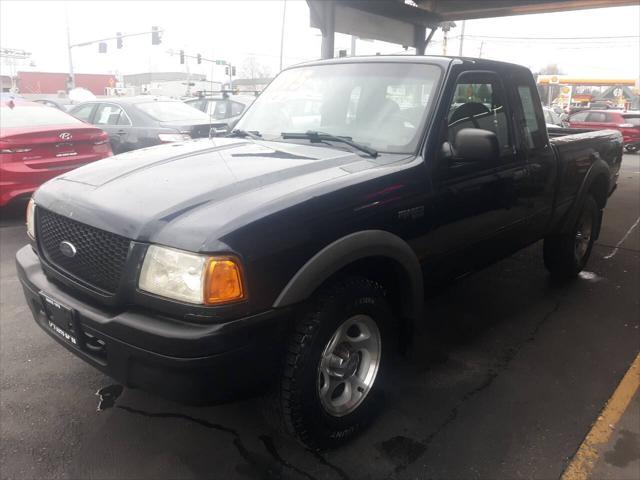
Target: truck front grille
[[99, 256]]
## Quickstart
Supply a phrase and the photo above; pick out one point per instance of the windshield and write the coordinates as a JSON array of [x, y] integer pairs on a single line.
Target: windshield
[[172, 112], [34, 116], [381, 105]]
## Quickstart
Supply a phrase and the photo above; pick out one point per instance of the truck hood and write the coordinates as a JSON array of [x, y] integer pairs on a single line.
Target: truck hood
[[183, 193]]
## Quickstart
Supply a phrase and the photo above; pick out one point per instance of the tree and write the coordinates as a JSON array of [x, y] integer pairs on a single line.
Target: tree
[[252, 68]]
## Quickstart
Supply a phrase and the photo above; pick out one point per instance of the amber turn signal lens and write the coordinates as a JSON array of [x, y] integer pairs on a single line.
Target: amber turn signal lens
[[224, 281]]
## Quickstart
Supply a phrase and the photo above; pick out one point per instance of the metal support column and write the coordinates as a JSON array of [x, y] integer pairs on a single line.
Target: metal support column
[[420, 41], [328, 28], [419, 34]]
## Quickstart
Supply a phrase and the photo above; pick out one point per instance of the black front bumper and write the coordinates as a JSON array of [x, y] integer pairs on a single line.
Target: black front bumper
[[188, 362]]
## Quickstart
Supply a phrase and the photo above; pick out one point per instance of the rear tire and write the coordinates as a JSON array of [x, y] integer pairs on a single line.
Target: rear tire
[[632, 148], [335, 362], [565, 255]]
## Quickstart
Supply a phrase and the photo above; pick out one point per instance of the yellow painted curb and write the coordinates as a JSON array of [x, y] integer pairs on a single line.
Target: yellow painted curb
[[586, 456]]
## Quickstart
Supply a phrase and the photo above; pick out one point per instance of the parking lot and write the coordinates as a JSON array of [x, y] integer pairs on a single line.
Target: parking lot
[[516, 371]]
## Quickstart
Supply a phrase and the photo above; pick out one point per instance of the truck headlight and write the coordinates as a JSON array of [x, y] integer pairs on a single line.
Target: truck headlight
[[31, 219], [190, 277]]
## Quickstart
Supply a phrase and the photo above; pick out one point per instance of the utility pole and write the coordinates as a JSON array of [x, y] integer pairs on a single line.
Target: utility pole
[[481, 45], [9, 56], [446, 26], [212, 70], [284, 14], [72, 80], [461, 38], [353, 45], [186, 64]]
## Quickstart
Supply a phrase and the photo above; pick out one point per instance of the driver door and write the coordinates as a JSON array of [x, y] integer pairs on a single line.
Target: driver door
[[479, 209]]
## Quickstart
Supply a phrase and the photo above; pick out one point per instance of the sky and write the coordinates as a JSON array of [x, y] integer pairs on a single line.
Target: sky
[[236, 30]]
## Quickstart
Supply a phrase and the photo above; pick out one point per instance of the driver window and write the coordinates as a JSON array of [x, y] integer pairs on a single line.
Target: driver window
[[478, 102]]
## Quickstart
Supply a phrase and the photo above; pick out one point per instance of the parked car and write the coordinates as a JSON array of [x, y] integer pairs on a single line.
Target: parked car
[[64, 105], [138, 122], [626, 122], [551, 118], [223, 109], [298, 259], [38, 142]]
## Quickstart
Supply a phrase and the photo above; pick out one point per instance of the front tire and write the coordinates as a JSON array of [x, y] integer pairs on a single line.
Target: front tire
[[330, 385], [632, 148], [565, 255]]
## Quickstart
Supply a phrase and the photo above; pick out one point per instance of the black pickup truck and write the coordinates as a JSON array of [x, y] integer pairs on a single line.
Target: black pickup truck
[[295, 252]]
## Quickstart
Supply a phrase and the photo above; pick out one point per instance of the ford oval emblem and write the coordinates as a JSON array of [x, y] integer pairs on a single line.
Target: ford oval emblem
[[68, 249]]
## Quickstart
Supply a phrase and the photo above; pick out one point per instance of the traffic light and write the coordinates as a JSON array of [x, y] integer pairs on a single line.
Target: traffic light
[[182, 57], [156, 38], [233, 71], [199, 59], [119, 40], [102, 47], [226, 70]]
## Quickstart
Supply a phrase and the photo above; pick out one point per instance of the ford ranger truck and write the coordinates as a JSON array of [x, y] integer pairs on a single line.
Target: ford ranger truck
[[293, 254]]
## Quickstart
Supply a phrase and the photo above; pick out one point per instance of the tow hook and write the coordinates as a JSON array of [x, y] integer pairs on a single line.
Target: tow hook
[[108, 396]]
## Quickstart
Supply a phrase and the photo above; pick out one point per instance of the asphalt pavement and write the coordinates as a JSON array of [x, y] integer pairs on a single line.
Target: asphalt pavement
[[517, 370]]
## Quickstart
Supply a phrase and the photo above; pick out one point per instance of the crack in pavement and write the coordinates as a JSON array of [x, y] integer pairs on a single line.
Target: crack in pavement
[[250, 457], [259, 465], [625, 249], [500, 366], [271, 448], [327, 463]]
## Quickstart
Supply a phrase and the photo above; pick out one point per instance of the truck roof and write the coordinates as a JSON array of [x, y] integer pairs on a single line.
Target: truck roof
[[441, 60]]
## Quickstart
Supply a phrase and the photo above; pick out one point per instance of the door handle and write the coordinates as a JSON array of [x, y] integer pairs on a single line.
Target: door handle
[[121, 132]]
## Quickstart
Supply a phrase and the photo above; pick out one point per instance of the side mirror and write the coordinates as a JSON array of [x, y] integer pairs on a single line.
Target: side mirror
[[474, 145]]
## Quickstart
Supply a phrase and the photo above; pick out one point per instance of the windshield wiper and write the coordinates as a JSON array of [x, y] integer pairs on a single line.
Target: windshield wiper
[[255, 135], [321, 136]]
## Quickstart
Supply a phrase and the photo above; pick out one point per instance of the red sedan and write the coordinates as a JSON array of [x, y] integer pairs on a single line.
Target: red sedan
[[38, 143], [628, 123]]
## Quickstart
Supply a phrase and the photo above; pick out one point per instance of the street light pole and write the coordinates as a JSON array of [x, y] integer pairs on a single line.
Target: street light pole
[[461, 38], [72, 80], [284, 13]]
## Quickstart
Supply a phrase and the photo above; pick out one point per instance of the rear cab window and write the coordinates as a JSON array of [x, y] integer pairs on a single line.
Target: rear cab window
[[534, 130]]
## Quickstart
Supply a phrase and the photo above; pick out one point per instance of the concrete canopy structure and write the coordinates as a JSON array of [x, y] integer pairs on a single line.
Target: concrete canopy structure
[[473, 9], [406, 23]]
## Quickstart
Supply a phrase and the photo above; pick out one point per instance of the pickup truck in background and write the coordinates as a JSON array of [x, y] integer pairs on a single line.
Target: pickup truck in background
[[295, 253]]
